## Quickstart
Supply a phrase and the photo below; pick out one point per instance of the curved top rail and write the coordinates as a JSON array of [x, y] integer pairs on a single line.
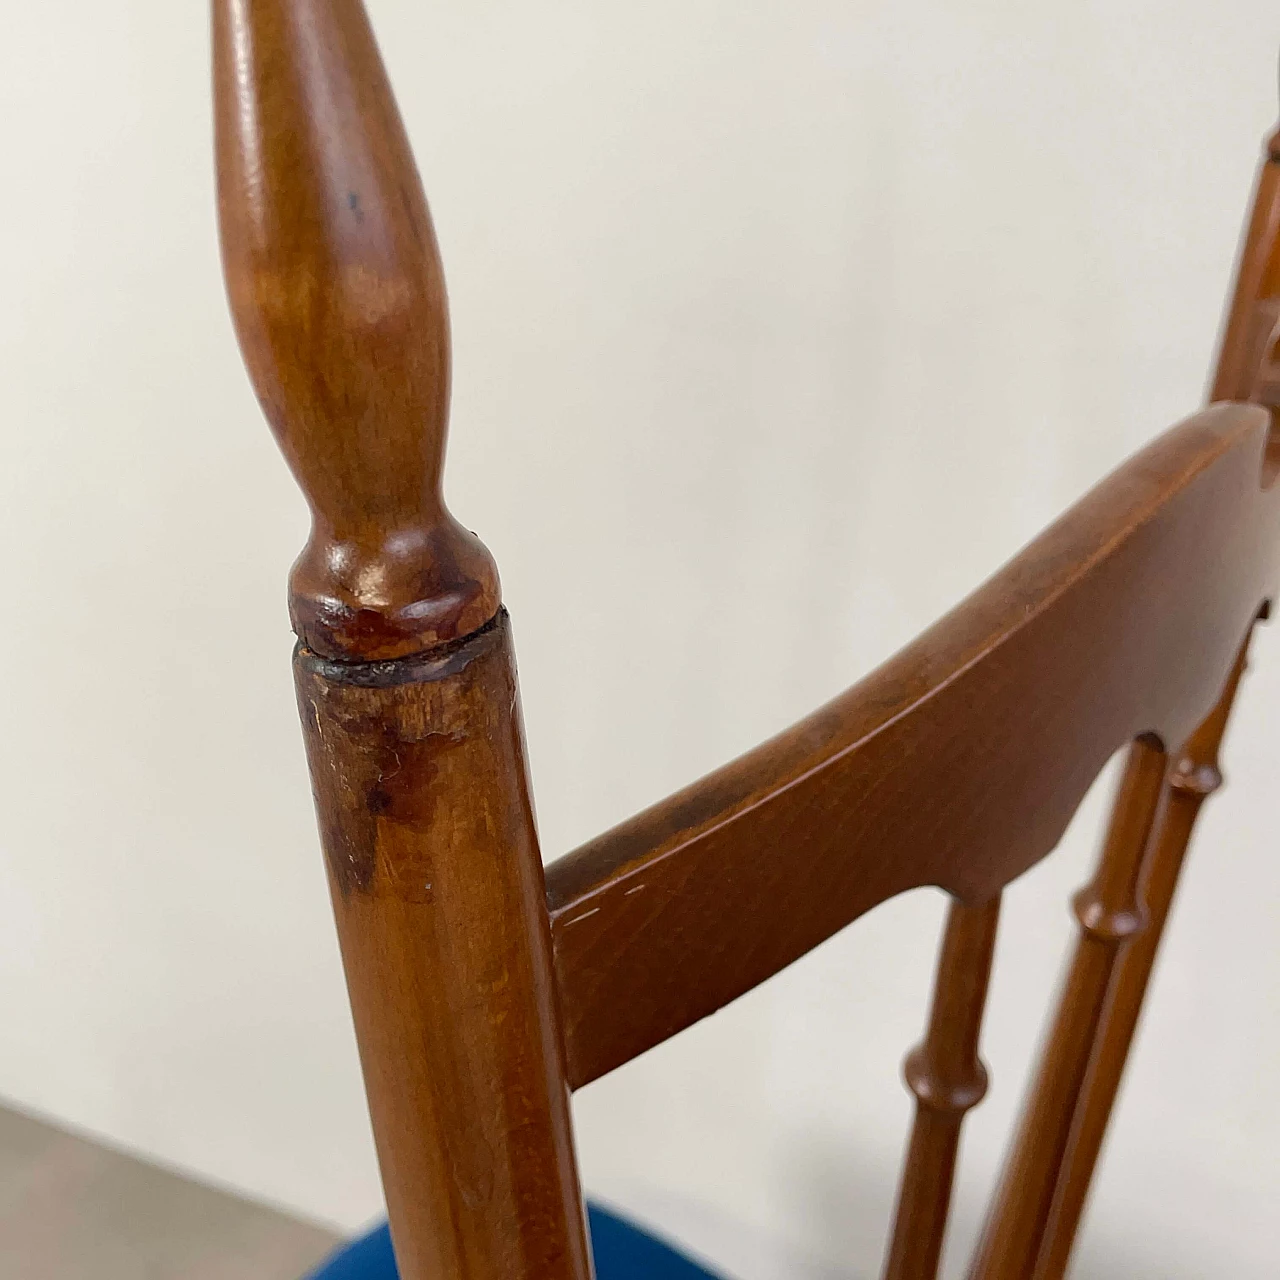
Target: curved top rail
[[339, 303], [958, 763]]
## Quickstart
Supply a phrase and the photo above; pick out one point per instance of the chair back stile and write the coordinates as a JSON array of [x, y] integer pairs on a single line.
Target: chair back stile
[[405, 671], [1036, 1213], [484, 990]]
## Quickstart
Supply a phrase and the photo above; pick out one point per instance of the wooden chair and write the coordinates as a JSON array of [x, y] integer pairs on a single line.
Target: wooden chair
[[484, 992]]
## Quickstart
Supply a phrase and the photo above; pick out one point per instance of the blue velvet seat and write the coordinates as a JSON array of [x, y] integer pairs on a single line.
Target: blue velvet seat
[[622, 1252]]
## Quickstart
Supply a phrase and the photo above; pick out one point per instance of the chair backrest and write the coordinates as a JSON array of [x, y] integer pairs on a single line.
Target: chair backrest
[[482, 993]]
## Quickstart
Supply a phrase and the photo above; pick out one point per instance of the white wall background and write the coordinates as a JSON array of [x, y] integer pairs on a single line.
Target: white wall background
[[784, 324]]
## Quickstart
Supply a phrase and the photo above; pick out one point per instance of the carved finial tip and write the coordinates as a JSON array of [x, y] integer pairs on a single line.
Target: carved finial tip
[[339, 302]]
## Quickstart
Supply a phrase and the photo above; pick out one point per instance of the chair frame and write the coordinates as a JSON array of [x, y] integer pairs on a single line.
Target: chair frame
[[483, 994]]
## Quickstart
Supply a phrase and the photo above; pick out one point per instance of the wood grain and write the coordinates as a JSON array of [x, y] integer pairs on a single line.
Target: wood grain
[[957, 764], [338, 298], [405, 676], [425, 817], [482, 994]]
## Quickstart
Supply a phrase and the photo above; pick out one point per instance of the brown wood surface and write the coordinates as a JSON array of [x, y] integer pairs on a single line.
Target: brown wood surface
[[957, 764], [1194, 777], [1246, 370], [339, 303], [405, 676], [948, 1078], [1246, 361], [427, 826], [481, 995], [1110, 913]]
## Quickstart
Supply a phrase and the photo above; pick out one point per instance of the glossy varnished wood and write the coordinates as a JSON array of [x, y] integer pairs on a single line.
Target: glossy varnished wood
[[948, 1079], [1248, 368], [405, 675], [481, 994], [957, 764], [419, 774], [339, 302]]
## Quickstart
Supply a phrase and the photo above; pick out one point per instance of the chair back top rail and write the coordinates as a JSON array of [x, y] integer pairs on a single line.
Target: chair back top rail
[[958, 763]]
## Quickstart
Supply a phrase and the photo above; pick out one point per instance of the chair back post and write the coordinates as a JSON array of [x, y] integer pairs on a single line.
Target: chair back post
[[404, 669], [1039, 1204], [1246, 362]]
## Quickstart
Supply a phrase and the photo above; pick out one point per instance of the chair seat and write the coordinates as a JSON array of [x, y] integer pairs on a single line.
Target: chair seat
[[622, 1251]]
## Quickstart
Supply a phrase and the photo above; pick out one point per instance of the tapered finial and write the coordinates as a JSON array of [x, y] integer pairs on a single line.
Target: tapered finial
[[339, 303]]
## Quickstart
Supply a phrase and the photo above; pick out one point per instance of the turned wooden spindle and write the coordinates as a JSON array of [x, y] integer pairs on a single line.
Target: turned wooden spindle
[[1195, 776], [405, 675], [339, 303], [1036, 1214], [1110, 913], [948, 1079]]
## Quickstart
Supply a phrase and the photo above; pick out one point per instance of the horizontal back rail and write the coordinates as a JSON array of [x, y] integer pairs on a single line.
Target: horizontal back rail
[[957, 764]]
